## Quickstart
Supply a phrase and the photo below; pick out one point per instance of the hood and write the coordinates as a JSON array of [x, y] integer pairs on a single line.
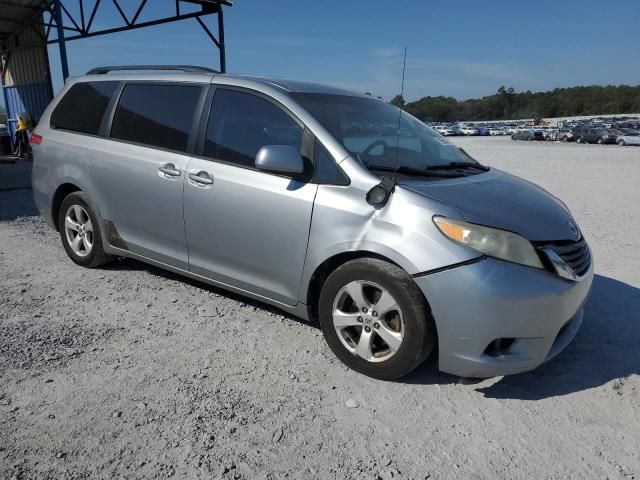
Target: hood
[[500, 200]]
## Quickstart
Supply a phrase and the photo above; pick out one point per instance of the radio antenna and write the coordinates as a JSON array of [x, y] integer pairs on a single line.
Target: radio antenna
[[397, 165]]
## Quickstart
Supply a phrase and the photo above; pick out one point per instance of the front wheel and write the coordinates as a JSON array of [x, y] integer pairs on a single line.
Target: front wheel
[[600, 142], [621, 143], [80, 231], [375, 319]]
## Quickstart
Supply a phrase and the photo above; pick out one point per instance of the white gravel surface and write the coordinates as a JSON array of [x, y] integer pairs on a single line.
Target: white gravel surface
[[131, 372]]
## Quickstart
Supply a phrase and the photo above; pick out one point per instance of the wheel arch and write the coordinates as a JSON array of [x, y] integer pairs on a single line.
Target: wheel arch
[[328, 266], [60, 194]]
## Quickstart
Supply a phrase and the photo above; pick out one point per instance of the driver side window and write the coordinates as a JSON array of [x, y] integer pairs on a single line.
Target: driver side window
[[241, 123]]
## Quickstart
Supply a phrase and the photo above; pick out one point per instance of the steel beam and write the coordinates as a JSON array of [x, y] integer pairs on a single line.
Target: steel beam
[[82, 27], [223, 54], [125, 28], [57, 12]]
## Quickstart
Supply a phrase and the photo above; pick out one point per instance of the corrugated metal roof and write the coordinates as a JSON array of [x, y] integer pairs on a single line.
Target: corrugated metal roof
[[15, 14]]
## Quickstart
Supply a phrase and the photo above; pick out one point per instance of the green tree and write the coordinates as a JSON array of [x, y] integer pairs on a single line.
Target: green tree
[[506, 104], [398, 101]]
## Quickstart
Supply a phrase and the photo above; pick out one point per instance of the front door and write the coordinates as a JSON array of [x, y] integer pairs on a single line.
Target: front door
[[138, 173], [247, 228]]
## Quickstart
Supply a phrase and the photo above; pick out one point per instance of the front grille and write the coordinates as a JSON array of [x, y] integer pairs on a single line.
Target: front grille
[[575, 254]]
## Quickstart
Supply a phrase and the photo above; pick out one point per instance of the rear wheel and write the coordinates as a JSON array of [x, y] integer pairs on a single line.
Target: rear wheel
[[375, 319], [565, 139], [621, 143], [600, 142], [80, 231]]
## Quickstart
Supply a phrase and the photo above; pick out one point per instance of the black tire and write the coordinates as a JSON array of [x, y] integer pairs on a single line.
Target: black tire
[[621, 143], [565, 139], [600, 142], [96, 256], [420, 335]]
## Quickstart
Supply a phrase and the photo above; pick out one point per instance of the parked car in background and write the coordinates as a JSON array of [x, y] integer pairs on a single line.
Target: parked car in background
[[494, 132], [595, 135], [567, 135], [528, 135], [469, 131], [445, 131], [550, 134], [628, 139]]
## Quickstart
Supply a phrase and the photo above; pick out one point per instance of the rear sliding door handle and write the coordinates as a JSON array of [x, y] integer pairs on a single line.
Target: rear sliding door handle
[[170, 170], [201, 178]]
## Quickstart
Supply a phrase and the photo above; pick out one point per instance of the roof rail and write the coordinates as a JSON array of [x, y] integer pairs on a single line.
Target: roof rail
[[181, 68]]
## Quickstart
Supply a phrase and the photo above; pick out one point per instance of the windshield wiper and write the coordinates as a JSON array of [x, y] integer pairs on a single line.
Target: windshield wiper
[[412, 171], [455, 165]]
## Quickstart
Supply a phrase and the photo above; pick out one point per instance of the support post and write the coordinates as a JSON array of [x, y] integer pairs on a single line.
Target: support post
[[223, 56], [57, 10], [6, 108]]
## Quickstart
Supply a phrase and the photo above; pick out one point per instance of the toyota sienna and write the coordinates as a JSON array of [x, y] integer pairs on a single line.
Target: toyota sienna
[[330, 205]]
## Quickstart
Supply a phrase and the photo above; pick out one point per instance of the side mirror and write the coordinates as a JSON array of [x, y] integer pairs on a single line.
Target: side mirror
[[279, 159]]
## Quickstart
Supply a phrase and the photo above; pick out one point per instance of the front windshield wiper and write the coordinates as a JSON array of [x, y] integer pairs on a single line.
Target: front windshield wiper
[[455, 165], [403, 169]]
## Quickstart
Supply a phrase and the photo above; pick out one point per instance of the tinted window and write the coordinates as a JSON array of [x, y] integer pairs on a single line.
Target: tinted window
[[327, 171], [82, 108], [158, 115], [242, 123]]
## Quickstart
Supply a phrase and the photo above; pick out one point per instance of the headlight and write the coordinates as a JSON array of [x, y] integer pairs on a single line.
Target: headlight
[[490, 241]]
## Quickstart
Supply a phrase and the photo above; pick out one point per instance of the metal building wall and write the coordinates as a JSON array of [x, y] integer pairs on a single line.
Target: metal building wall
[[26, 79]]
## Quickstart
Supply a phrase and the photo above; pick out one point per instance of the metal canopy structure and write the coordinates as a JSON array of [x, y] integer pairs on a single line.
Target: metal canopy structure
[[27, 27]]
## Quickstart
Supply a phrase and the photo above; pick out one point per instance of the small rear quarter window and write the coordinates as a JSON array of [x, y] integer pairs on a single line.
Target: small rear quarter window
[[83, 106]]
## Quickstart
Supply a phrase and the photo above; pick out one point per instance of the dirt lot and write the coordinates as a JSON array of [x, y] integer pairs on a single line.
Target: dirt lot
[[131, 372]]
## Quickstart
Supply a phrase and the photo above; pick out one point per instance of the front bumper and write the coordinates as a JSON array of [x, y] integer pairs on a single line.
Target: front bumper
[[476, 304]]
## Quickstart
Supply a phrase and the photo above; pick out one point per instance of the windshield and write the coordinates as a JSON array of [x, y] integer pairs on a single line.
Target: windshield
[[368, 129]]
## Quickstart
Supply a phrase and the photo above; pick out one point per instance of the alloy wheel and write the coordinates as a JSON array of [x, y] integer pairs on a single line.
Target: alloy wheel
[[368, 321], [79, 230]]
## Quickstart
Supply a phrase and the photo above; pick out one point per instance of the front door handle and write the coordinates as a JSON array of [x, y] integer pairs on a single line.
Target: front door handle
[[170, 170], [201, 178]]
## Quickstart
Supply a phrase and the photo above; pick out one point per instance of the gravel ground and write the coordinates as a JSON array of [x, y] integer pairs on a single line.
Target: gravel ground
[[131, 372]]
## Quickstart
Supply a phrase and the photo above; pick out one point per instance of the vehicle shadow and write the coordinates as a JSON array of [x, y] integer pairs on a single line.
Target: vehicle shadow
[[605, 349], [124, 264]]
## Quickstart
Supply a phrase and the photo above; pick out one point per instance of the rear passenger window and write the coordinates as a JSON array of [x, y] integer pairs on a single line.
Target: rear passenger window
[[157, 115], [242, 123], [83, 106]]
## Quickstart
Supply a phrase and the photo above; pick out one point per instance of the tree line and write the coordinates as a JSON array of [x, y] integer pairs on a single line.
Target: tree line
[[506, 104]]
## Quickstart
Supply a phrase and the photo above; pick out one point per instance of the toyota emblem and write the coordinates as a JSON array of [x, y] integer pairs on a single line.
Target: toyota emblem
[[573, 228]]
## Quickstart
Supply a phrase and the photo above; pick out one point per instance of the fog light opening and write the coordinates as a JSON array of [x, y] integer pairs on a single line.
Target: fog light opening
[[499, 346]]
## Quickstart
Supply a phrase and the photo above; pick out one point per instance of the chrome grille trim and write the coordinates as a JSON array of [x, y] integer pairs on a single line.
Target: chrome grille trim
[[570, 260]]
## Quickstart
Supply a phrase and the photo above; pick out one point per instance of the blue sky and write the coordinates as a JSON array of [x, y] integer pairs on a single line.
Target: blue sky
[[463, 49]]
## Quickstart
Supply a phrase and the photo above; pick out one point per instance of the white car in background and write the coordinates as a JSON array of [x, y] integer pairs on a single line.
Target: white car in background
[[469, 130], [495, 132], [628, 139], [445, 131]]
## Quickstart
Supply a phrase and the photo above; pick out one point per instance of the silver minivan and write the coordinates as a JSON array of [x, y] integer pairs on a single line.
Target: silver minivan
[[331, 205]]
